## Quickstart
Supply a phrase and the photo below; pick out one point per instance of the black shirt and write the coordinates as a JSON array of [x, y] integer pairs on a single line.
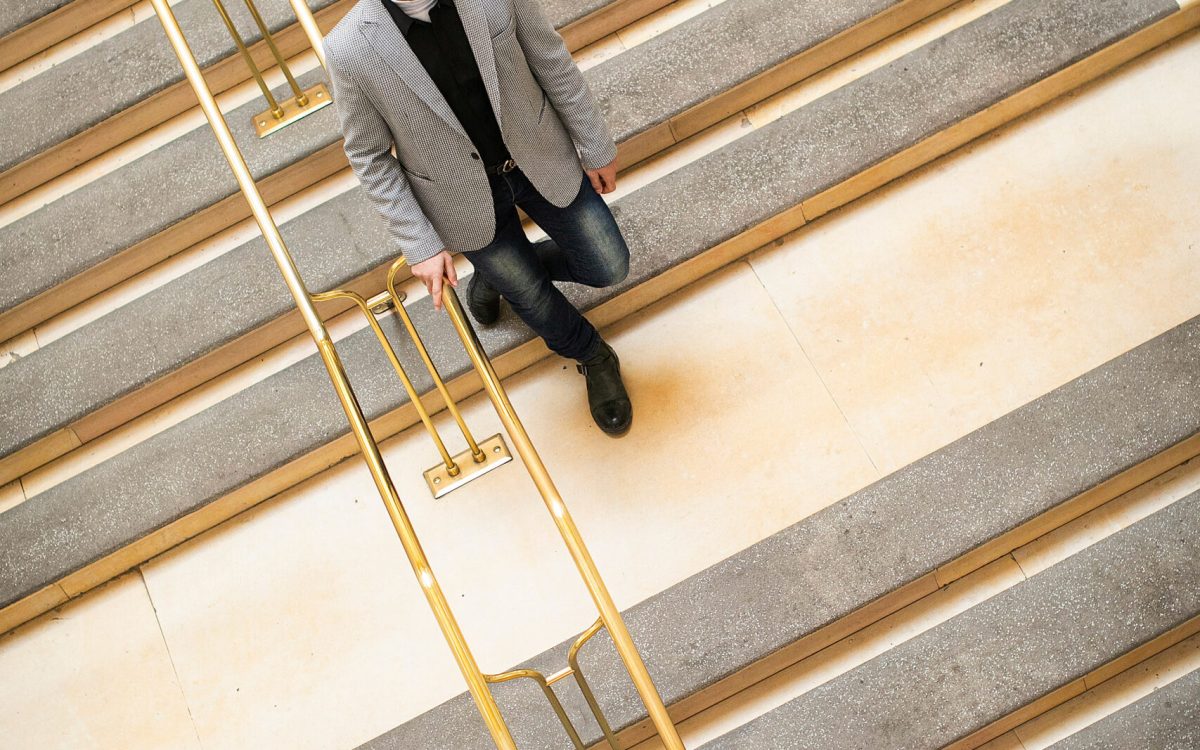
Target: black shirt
[[444, 50]]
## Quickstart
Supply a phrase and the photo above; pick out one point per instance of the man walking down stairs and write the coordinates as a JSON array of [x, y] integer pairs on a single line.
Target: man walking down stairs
[[470, 206], [905, 290]]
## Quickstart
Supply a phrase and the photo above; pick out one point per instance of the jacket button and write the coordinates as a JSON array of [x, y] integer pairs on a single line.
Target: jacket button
[[474, 155]]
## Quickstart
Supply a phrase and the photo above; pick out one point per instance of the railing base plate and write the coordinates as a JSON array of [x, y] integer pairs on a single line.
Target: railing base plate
[[495, 454], [318, 98]]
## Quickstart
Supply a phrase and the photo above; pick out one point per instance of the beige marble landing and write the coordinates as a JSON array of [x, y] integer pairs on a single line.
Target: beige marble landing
[[93, 673], [990, 278], [299, 623]]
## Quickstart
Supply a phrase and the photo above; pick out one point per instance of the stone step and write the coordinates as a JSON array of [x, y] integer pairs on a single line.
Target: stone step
[[892, 535], [56, 542], [33, 26], [1004, 653], [1166, 719], [118, 73], [162, 331]]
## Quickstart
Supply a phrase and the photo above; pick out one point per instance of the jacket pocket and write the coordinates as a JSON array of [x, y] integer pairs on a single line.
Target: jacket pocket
[[411, 173], [542, 111], [511, 24]]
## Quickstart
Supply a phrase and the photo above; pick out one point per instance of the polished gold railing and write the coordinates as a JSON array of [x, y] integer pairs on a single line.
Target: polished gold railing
[[453, 471]]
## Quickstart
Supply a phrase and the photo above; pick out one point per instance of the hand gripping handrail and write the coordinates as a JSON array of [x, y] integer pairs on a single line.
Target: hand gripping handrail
[[452, 468]]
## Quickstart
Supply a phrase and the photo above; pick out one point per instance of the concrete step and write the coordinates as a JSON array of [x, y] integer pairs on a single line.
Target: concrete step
[[73, 535], [837, 570], [118, 73], [162, 330], [1167, 719], [1044, 633]]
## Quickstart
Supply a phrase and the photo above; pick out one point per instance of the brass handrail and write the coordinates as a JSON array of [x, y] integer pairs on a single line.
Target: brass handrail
[[477, 681]]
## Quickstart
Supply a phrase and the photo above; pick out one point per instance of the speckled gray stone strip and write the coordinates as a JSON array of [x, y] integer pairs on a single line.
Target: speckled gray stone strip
[[17, 13], [712, 52], [68, 236], [152, 336], [77, 93], [182, 320], [1167, 719], [1004, 653]]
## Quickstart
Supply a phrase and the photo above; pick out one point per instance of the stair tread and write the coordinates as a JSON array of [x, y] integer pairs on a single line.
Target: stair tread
[[715, 51], [1166, 719], [1006, 652], [68, 236], [748, 606], [174, 324], [121, 71]]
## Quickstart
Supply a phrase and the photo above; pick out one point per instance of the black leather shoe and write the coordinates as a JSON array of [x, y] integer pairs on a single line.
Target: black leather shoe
[[607, 398], [483, 300]]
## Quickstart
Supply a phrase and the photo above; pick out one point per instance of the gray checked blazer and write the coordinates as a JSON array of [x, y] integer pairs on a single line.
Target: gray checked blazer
[[434, 192]]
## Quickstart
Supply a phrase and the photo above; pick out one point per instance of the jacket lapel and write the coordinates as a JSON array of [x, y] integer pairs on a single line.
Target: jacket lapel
[[380, 30]]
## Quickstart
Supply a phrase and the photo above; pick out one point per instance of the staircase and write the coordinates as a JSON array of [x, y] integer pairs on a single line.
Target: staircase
[[1017, 571]]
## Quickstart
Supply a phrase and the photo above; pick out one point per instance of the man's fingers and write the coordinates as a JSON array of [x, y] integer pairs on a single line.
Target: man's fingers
[[435, 291], [450, 272], [597, 184], [428, 284]]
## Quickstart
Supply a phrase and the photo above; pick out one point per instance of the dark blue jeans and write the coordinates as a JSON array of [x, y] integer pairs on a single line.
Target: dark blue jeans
[[584, 245]]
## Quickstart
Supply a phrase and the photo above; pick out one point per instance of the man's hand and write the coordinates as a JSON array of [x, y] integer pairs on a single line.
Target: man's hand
[[432, 271], [604, 179]]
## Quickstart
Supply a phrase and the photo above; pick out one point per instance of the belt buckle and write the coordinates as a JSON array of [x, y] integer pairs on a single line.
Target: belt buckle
[[508, 166]]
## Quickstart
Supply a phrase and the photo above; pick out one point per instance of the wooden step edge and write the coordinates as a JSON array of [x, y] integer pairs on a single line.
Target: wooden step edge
[[1129, 660], [600, 23], [1103, 699], [842, 46], [326, 163], [40, 35], [232, 71], [608, 312]]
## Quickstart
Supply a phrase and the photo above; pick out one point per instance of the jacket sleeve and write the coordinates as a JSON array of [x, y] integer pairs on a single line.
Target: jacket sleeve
[[564, 84], [368, 146]]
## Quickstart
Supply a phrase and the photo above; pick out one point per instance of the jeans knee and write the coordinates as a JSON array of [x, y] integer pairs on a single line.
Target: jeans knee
[[614, 270], [620, 270]]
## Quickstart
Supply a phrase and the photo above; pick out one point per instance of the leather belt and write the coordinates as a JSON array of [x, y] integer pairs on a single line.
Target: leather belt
[[505, 166]]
